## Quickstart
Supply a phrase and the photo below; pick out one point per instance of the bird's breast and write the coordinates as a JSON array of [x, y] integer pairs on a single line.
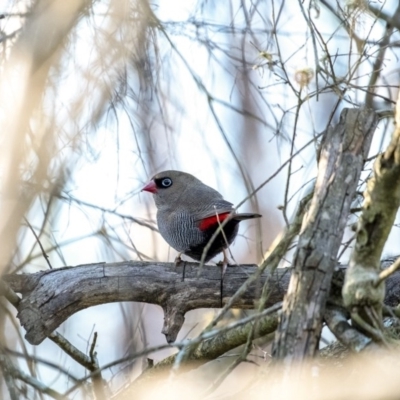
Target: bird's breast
[[179, 229]]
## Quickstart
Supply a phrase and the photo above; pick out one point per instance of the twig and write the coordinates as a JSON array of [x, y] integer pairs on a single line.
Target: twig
[[242, 357], [18, 335], [9, 294], [97, 379], [71, 350], [216, 233], [314, 41], [375, 333], [280, 250], [377, 67], [109, 211], [18, 374], [289, 172], [40, 244], [37, 384], [387, 272], [40, 360], [7, 368], [90, 363], [207, 339]]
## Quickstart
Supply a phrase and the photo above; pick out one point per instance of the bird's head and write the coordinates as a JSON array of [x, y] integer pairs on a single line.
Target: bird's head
[[177, 189], [168, 187]]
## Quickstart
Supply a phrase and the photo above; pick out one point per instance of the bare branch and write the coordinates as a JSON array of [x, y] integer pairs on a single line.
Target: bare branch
[[43, 308], [377, 67], [46, 257], [30, 380], [382, 199], [387, 272], [9, 294], [337, 321], [50, 297]]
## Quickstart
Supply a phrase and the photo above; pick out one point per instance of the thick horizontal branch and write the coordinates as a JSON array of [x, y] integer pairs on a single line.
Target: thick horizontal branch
[[50, 297]]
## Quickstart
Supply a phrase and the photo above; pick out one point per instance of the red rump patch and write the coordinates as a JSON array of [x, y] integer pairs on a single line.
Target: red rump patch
[[213, 220]]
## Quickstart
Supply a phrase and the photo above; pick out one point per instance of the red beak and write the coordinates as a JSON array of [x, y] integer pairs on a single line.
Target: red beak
[[150, 187]]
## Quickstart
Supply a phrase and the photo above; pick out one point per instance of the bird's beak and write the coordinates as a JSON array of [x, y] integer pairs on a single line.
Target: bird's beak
[[150, 187]]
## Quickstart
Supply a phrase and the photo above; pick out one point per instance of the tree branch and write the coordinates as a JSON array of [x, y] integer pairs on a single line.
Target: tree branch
[[382, 199], [50, 297], [337, 321]]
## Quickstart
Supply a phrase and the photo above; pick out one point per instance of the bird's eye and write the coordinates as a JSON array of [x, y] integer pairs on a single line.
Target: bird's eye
[[166, 182], [163, 183]]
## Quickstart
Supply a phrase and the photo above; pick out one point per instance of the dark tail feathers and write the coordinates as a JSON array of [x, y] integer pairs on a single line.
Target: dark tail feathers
[[243, 216]]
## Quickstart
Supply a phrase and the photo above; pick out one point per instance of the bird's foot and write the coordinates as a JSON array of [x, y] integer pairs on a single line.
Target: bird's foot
[[178, 259]]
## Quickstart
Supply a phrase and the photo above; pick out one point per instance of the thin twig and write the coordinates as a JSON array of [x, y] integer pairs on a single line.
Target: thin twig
[[7, 367], [242, 358], [39, 243], [39, 360], [97, 379], [9, 294], [90, 363], [16, 373], [216, 233], [377, 67], [71, 350], [387, 272]]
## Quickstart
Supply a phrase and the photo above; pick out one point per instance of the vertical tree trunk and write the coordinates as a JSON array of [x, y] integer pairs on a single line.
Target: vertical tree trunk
[[342, 155]]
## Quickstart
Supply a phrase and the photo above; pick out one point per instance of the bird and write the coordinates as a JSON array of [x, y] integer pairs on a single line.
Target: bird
[[190, 212]]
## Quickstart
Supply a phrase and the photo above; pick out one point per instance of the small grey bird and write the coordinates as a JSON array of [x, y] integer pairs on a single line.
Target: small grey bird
[[189, 212]]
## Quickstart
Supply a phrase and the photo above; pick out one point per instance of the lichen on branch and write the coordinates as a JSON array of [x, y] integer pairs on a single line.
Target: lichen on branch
[[361, 295]]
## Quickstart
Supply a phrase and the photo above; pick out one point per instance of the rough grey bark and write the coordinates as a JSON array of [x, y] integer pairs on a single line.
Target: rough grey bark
[[50, 297], [342, 155], [337, 320]]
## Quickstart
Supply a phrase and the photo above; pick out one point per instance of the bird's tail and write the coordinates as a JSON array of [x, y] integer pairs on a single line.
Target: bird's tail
[[243, 216]]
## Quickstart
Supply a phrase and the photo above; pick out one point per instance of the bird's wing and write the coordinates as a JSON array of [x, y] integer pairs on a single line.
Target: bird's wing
[[212, 221], [209, 218]]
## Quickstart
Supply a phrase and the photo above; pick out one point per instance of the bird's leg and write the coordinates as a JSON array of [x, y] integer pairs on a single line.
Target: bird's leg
[[178, 259], [224, 263]]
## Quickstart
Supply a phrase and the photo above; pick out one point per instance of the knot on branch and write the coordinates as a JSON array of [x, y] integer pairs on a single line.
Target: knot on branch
[[174, 318], [360, 288]]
